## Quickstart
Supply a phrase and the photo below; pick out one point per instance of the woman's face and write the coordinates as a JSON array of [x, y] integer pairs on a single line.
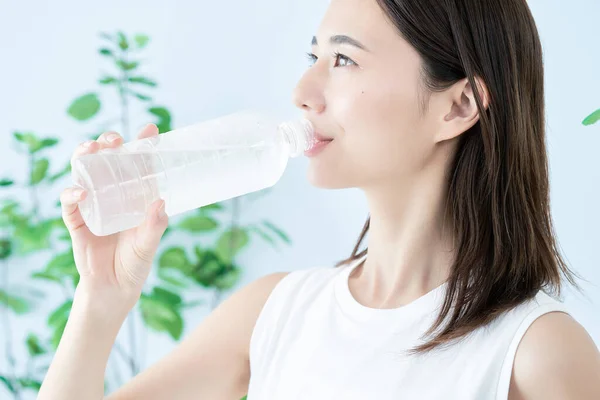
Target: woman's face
[[363, 90]]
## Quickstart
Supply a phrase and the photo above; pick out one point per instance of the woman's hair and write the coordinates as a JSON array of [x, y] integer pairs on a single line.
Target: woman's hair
[[498, 189]]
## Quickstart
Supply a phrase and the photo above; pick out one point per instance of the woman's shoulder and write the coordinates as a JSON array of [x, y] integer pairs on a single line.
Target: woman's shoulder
[[556, 358]]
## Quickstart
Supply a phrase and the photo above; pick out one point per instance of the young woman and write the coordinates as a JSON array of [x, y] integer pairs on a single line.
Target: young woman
[[435, 110]]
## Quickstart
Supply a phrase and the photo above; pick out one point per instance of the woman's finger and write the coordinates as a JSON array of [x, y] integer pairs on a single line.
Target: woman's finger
[[69, 201], [149, 130], [89, 147], [110, 139], [149, 233]]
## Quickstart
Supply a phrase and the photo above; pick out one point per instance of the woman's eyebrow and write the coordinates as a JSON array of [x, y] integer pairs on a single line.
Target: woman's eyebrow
[[342, 39]]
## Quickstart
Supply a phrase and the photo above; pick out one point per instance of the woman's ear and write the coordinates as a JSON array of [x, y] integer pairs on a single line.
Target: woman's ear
[[462, 112]]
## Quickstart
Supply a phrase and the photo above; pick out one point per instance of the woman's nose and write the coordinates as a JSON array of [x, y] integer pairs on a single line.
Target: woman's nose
[[308, 96]]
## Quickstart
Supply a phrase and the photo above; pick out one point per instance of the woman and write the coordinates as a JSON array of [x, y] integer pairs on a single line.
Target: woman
[[435, 109]]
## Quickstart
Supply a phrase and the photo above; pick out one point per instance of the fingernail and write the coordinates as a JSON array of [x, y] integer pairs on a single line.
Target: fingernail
[[112, 137], [161, 210], [88, 143], [77, 193]]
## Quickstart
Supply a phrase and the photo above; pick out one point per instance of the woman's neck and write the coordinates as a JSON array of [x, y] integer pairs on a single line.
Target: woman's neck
[[410, 244]]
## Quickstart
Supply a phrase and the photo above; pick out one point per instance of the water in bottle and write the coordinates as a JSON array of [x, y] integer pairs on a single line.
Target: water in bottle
[[188, 168]]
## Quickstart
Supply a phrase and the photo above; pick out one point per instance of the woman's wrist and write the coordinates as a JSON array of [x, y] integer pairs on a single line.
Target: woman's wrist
[[108, 305]]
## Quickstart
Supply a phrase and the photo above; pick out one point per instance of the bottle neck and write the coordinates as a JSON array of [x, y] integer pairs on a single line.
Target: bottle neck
[[298, 135]]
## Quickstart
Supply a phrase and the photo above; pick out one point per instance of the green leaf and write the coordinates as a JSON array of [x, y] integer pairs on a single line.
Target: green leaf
[[212, 207], [173, 277], [6, 182], [160, 112], [5, 249], [61, 314], [142, 97], [127, 65], [161, 317], [30, 238], [84, 107], [107, 80], [33, 142], [65, 171], [58, 321], [277, 231], [228, 279], [17, 304], [123, 43], [199, 252], [264, 235], [106, 36], [63, 265], [166, 296], [33, 345], [592, 118], [57, 332], [230, 243], [164, 118], [207, 269], [175, 257], [142, 80], [106, 52], [10, 214], [48, 142], [46, 276], [8, 383], [192, 304], [40, 168], [28, 383], [141, 40], [198, 223]]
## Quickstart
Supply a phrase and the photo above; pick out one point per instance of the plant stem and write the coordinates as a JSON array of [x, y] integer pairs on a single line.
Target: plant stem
[[143, 346], [124, 101], [121, 352], [125, 133], [216, 299], [116, 372], [34, 198], [132, 339], [8, 332], [235, 221]]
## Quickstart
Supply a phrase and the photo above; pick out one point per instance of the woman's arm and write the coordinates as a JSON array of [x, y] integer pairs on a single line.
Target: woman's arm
[[212, 363], [77, 370]]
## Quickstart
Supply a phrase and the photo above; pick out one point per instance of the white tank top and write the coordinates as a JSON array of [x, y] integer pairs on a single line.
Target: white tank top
[[314, 341]]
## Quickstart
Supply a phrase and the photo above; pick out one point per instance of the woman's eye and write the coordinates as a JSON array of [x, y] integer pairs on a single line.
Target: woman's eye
[[340, 60], [343, 61], [312, 59]]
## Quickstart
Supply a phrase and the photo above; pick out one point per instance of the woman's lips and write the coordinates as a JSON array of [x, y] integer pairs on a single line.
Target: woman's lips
[[317, 146]]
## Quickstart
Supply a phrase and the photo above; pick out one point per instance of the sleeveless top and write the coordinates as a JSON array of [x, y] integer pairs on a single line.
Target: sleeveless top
[[314, 341]]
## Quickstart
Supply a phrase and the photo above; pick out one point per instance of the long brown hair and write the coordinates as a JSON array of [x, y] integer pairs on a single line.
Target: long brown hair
[[498, 188]]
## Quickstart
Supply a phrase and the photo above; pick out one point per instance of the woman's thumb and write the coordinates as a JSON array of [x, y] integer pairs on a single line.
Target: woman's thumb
[[150, 232]]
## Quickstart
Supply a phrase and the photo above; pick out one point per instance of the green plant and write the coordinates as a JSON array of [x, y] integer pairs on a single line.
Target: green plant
[[592, 118], [207, 264], [26, 231]]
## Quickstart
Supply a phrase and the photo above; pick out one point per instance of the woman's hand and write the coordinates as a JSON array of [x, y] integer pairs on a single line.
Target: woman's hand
[[116, 265]]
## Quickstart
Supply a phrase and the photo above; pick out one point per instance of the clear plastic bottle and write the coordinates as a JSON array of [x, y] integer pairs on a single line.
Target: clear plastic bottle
[[188, 168]]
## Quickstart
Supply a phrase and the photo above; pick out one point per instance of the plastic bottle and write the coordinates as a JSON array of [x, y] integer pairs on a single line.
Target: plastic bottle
[[188, 168]]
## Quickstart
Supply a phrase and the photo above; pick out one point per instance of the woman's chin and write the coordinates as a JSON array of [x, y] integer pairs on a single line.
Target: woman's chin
[[326, 179]]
